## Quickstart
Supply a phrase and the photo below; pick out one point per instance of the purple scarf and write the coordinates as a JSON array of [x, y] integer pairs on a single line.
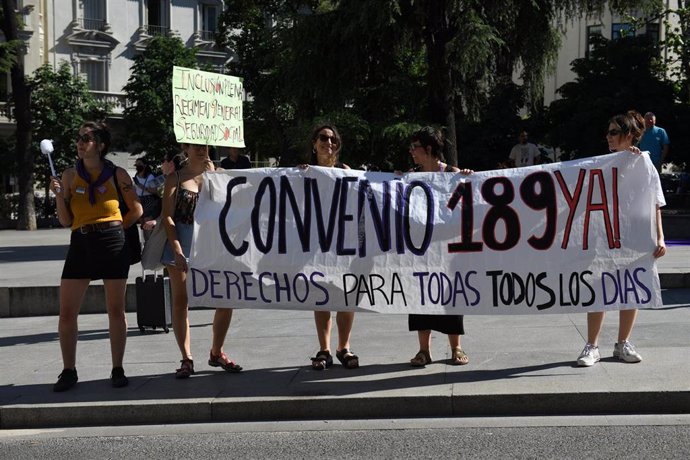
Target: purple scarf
[[106, 174]]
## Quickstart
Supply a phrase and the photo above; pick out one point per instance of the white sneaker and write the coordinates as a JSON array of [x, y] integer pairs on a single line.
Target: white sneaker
[[589, 356], [625, 351]]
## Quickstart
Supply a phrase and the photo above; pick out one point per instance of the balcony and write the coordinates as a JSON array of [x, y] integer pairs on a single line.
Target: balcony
[[155, 30], [117, 102], [92, 24]]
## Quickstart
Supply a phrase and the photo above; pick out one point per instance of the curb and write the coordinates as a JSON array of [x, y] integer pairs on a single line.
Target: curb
[[328, 408]]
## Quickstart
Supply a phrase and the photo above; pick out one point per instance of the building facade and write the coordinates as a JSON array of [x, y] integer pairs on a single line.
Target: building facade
[[101, 38]]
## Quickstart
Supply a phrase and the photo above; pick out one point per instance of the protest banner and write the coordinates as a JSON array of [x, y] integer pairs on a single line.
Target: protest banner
[[566, 237], [207, 108]]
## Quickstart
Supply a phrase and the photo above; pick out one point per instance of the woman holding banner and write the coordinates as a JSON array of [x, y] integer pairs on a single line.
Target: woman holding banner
[[623, 133], [326, 147], [179, 202], [426, 150], [88, 201]]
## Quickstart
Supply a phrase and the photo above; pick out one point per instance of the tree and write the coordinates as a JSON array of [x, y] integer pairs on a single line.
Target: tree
[[149, 113], [60, 102], [618, 75], [21, 95]]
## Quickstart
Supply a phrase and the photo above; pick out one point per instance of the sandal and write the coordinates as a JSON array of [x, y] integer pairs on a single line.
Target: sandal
[[223, 361], [459, 357], [185, 370], [421, 359], [322, 360], [348, 359]]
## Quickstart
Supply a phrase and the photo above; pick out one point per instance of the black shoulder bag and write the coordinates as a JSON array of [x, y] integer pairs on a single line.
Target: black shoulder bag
[[132, 232]]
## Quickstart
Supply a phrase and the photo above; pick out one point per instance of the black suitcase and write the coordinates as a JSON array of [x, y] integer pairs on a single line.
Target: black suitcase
[[153, 302]]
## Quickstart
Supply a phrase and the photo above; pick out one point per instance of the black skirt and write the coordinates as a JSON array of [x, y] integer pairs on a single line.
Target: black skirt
[[97, 255], [445, 324]]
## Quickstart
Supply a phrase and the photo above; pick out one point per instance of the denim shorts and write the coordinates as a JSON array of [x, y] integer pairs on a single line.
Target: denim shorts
[[184, 236]]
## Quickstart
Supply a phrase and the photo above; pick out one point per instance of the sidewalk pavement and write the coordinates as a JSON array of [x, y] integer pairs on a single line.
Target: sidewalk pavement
[[519, 365]]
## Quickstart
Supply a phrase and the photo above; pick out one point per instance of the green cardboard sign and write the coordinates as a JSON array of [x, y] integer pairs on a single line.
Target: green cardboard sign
[[207, 108]]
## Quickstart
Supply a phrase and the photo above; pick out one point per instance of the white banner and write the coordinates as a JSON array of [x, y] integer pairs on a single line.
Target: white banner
[[558, 238]]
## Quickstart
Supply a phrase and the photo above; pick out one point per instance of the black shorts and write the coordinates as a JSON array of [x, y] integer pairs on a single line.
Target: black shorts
[[97, 255], [445, 324]]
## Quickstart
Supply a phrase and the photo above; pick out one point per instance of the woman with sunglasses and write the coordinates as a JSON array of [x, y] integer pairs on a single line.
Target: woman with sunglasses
[[87, 201], [179, 202], [623, 133], [326, 147], [426, 150]]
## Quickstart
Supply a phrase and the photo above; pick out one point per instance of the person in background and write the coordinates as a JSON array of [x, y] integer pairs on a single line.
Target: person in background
[[172, 161], [655, 141], [623, 133], [235, 160], [326, 147], [426, 150], [87, 201], [179, 202], [147, 191], [523, 153]]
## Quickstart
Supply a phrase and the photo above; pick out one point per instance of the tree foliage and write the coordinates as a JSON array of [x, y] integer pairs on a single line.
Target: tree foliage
[[60, 102], [149, 113], [619, 75]]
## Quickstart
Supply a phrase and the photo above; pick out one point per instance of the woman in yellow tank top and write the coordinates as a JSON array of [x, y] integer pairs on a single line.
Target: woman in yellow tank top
[[87, 202]]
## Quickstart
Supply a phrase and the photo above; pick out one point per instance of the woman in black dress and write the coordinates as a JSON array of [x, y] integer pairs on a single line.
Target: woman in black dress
[[427, 153]]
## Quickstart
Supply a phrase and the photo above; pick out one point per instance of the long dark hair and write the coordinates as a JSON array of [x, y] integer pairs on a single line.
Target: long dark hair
[[315, 133], [630, 122]]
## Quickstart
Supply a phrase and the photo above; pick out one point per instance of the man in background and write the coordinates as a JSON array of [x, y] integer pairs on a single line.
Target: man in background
[[655, 141], [524, 153], [235, 160]]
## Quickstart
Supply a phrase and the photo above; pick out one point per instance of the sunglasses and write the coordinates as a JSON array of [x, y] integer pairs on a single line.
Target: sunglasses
[[613, 132], [326, 138], [414, 146], [85, 138]]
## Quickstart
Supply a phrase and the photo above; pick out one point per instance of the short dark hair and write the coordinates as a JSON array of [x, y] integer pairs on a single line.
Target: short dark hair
[[429, 136]]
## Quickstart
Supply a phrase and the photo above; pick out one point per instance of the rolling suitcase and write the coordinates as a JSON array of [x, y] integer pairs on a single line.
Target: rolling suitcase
[[153, 302]]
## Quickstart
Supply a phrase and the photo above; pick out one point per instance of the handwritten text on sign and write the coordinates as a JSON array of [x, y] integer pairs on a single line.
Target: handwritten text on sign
[[565, 237], [207, 108]]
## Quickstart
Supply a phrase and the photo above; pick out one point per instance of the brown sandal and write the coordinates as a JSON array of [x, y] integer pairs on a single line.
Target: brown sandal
[[459, 357], [421, 359], [185, 370]]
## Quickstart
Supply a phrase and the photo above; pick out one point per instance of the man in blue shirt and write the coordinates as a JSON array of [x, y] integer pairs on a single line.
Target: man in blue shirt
[[655, 140]]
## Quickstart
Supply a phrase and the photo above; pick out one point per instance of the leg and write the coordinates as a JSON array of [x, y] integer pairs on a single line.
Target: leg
[[423, 356], [626, 321], [117, 321], [458, 356], [323, 329], [595, 320], [180, 318], [454, 341], [221, 324], [71, 295], [344, 320]]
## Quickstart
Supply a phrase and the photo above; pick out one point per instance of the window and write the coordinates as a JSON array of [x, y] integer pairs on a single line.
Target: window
[[652, 32], [94, 72], [620, 30], [93, 15], [593, 33], [156, 14], [209, 18]]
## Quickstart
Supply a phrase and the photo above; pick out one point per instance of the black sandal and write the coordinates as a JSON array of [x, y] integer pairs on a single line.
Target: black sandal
[[322, 360], [348, 359]]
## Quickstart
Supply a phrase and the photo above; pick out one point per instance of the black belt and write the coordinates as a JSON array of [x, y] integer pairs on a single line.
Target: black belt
[[89, 228]]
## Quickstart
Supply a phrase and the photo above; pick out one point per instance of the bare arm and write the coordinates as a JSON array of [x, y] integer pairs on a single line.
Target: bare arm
[[130, 197], [61, 189], [660, 242]]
